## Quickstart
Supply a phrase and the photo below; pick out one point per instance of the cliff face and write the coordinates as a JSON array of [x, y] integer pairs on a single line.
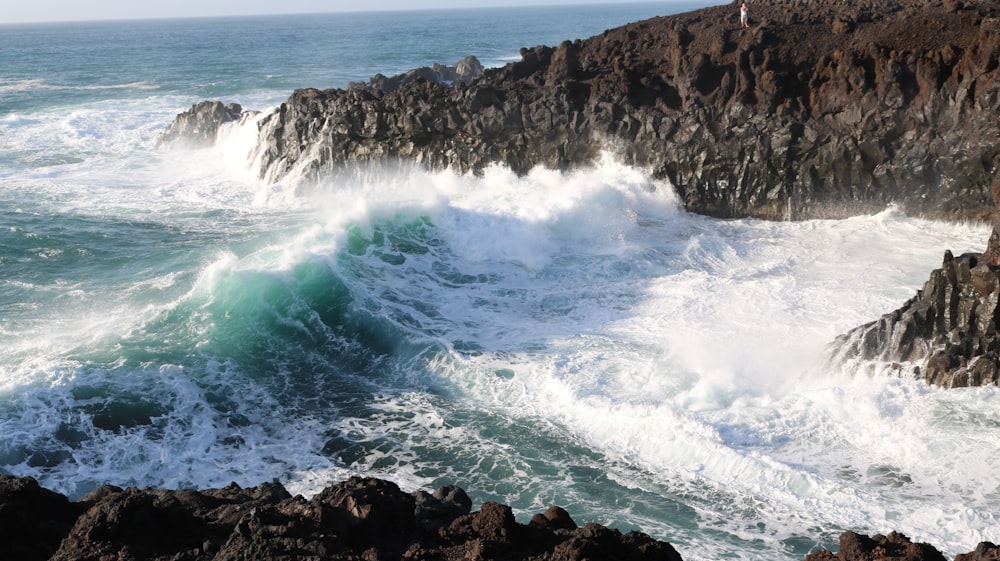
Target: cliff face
[[947, 333], [818, 109]]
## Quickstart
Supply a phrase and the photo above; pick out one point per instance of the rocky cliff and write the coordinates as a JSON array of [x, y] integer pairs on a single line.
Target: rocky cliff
[[947, 333], [822, 108]]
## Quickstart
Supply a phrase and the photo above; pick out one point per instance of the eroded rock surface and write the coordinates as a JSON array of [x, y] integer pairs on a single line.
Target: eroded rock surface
[[358, 519], [462, 72], [820, 109], [947, 333]]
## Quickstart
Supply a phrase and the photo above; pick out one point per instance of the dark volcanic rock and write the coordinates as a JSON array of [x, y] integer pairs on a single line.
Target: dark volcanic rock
[[358, 519], [199, 126], [32, 520], [464, 71], [985, 551], [820, 108], [947, 333], [894, 547]]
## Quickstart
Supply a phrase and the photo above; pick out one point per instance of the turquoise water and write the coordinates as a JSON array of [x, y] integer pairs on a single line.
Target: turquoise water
[[573, 339]]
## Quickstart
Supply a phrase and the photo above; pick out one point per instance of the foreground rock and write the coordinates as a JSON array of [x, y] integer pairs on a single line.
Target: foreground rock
[[359, 519], [947, 334], [820, 109], [896, 547]]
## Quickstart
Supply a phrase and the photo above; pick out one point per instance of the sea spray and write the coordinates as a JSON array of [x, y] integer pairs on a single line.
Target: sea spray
[[570, 338]]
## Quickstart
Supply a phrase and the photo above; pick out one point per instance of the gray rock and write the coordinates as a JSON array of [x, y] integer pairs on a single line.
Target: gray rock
[[199, 126], [463, 71]]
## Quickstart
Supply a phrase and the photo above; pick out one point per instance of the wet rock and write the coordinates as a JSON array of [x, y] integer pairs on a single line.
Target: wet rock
[[199, 126], [440, 509], [893, 547], [946, 334], [985, 551], [462, 72]]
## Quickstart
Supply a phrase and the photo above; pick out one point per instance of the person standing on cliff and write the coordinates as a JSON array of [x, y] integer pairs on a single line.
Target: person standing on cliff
[[744, 15]]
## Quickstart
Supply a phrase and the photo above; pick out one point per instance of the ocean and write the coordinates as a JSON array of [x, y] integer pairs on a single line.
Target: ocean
[[575, 338]]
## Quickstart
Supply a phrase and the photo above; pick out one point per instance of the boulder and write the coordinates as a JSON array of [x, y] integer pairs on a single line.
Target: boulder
[[893, 547], [199, 126], [463, 72], [33, 520], [361, 518]]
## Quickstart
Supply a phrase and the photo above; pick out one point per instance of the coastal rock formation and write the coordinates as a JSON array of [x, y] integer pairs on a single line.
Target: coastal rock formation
[[820, 109], [199, 126], [464, 71], [858, 547], [947, 333], [896, 547], [358, 519]]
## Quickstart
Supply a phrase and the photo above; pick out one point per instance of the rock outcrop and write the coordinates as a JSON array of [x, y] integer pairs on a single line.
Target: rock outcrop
[[820, 109], [199, 126], [462, 72], [359, 519], [947, 333], [896, 547]]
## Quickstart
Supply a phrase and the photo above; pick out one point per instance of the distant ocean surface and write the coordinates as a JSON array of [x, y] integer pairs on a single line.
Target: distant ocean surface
[[574, 339]]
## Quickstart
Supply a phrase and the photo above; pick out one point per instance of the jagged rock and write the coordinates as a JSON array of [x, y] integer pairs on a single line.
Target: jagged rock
[[985, 551], [946, 334], [361, 518], [822, 109], [555, 518], [32, 520], [894, 547], [440, 509], [463, 71], [199, 126]]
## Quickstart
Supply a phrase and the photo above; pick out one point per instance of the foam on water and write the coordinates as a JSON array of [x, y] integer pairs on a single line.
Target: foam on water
[[533, 330], [559, 338]]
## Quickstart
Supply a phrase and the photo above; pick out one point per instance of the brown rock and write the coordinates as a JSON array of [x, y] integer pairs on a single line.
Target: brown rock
[[891, 102], [948, 330], [985, 551], [894, 547]]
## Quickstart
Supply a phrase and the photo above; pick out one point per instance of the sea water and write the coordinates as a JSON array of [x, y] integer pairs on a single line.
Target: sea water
[[575, 338]]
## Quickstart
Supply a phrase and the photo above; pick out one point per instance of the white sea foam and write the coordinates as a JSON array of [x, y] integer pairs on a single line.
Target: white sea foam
[[39, 84], [691, 347], [586, 309]]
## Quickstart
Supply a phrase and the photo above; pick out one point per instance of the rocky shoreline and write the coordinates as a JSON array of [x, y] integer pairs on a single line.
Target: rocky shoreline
[[361, 519], [820, 109], [895, 102], [358, 519]]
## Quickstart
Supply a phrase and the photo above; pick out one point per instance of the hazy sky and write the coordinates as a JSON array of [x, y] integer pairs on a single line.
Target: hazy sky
[[19, 11]]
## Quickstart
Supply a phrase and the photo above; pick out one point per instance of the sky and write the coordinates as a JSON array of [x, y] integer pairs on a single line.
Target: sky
[[76, 10]]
